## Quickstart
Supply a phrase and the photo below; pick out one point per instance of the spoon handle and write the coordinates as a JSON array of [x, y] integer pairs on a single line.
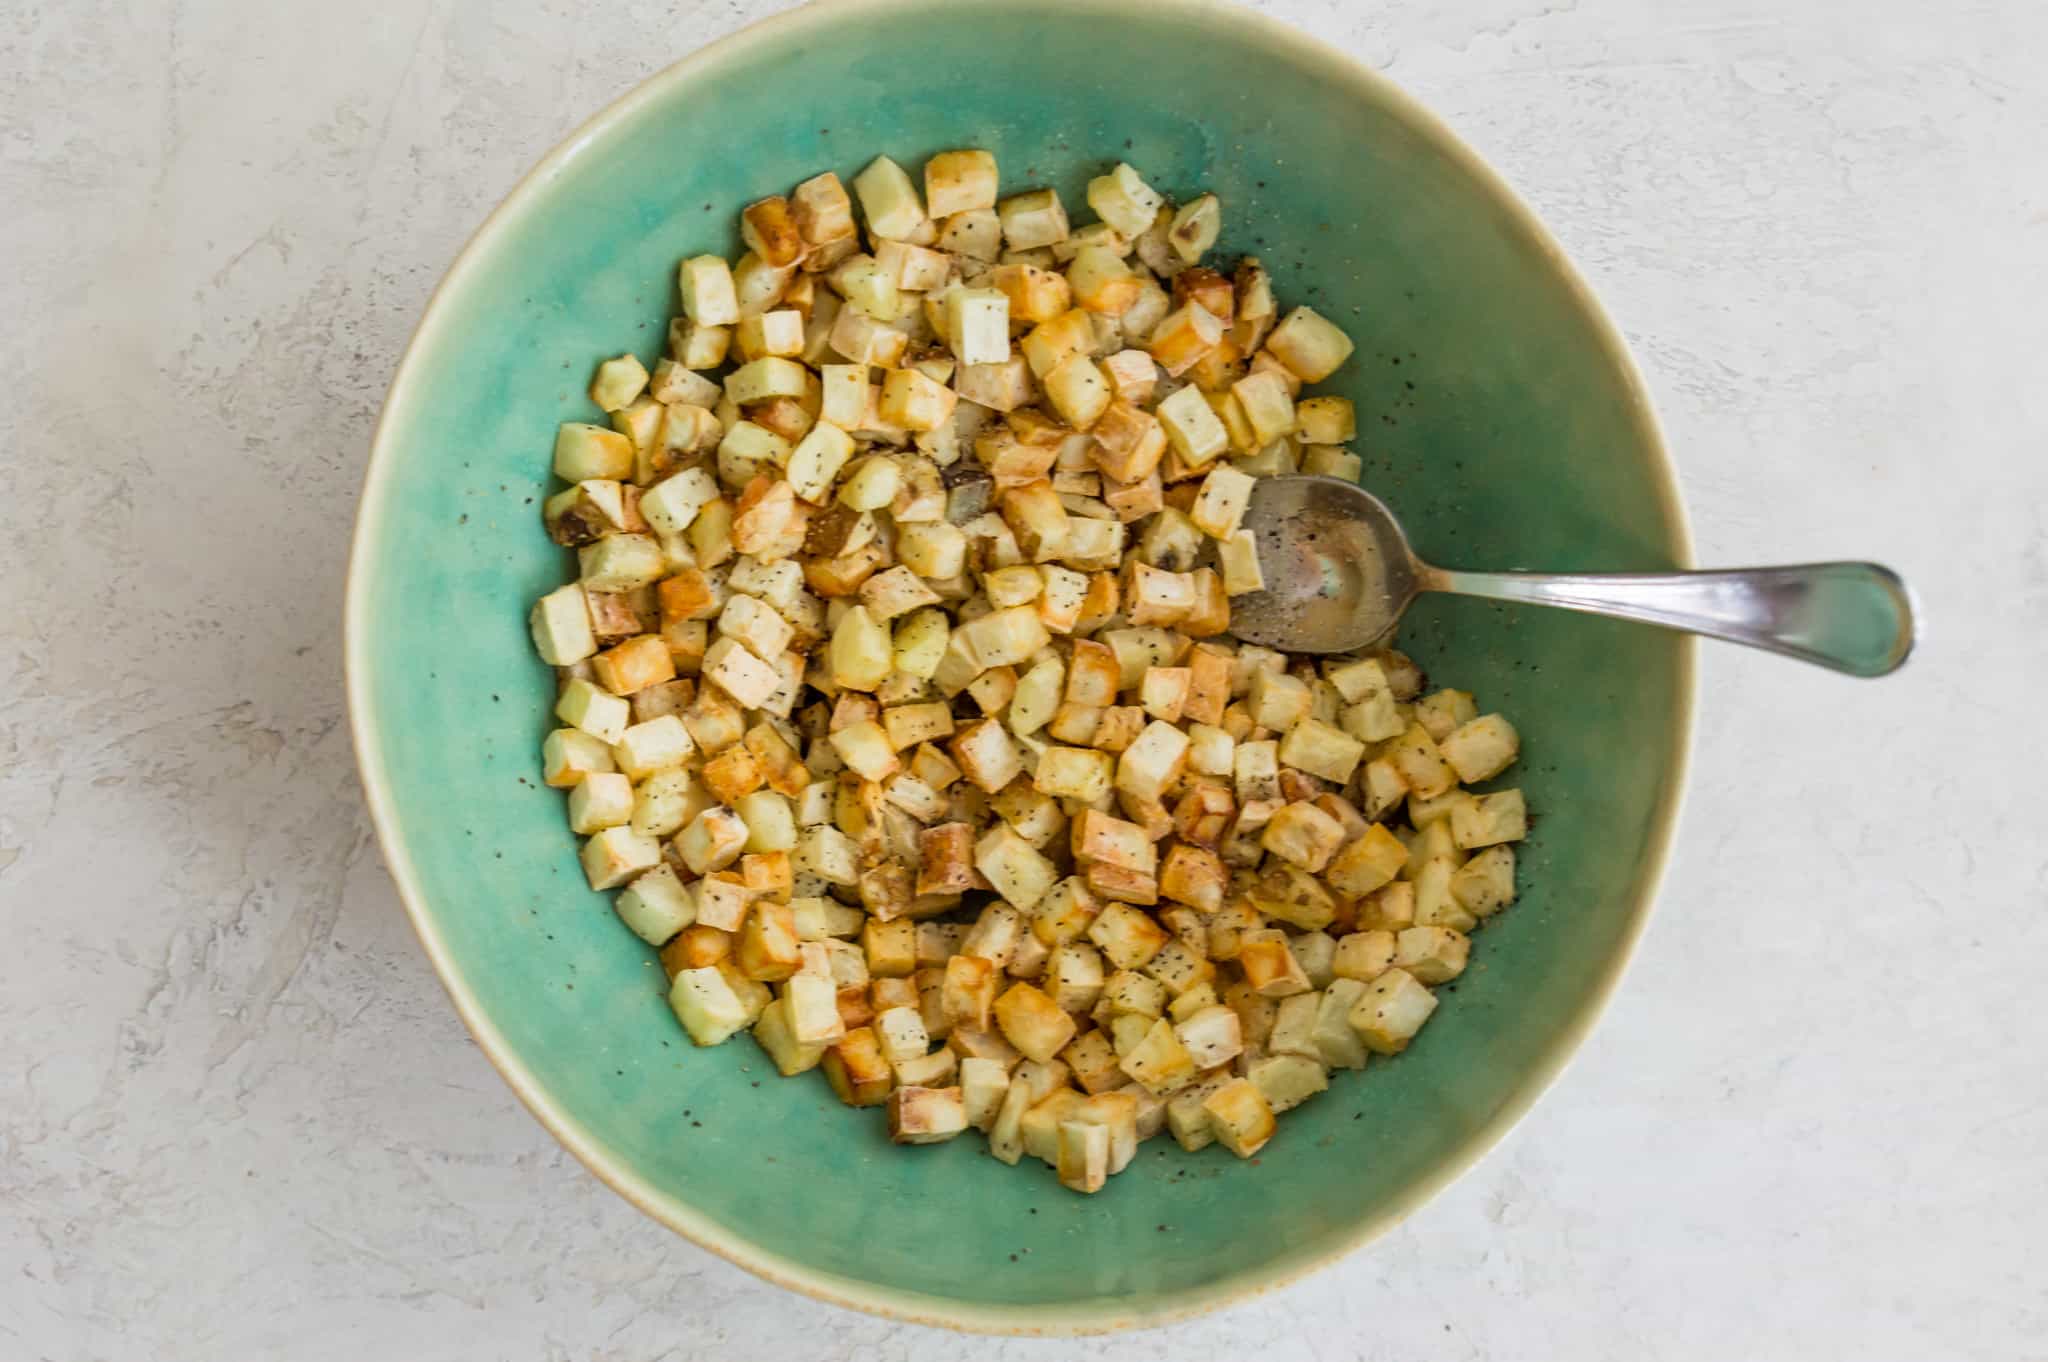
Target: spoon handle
[[1853, 617]]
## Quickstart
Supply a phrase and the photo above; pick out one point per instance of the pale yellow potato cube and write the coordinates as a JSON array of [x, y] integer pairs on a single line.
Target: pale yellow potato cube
[[1390, 1012], [1309, 345]]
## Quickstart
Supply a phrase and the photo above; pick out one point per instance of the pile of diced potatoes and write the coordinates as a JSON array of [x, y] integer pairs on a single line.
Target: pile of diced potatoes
[[899, 701]]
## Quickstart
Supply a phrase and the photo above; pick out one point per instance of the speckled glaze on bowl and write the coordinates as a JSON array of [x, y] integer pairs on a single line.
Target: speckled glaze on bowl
[[1500, 416]]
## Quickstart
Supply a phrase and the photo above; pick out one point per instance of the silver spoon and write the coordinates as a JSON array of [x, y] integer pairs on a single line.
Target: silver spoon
[[1339, 573]]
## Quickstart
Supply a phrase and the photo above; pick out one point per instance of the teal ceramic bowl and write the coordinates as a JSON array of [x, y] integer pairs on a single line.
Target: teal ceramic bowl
[[1501, 417]]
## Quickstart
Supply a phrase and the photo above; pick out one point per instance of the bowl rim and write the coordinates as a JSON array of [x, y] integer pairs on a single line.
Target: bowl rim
[[1097, 1316]]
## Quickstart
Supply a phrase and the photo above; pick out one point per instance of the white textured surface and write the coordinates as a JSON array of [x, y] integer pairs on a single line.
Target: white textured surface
[[238, 1118]]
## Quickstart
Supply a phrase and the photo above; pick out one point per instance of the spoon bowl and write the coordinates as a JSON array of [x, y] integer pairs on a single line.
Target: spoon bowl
[[1339, 574]]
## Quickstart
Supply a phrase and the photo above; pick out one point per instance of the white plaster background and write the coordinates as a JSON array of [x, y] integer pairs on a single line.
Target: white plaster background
[[239, 1120]]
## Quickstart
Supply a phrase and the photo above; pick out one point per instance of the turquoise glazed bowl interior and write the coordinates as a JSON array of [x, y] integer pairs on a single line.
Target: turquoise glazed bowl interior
[[1499, 415]]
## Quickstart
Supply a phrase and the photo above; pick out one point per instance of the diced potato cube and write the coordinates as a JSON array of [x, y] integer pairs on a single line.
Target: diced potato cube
[[1239, 1117], [789, 1055], [857, 1070], [1270, 968], [1486, 883], [978, 326], [968, 991], [1288, 1080], [603, 800], [922, 1115], [1160, 1062], [1326, 420], [1033, 1022], [1124, 201], [1014, 867], [1303, 835], [1310, 346], [1195, 227], [1127, 936], [1194, 876], [1490, 819], [1416, 756], [616, 854], [1192, 428], [705, 1002], [1390, 1012], [706, 285], [1033, 219], [1321, 750], [1481, 748], [1074, 970], [1153, 761], [888, 200], [569, 756], [1367, 863], [1363, 956], [1182, 339], [913, 401], [1078, 391]]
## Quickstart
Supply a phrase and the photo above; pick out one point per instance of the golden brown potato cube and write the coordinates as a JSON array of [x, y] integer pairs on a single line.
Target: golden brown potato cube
[[968, 991], [856, 1069], [1239, 1117], [822, 210], [1129, 443], [634, 665], [1194, 876], [1081, 1155], [1210, 614], [1270, 968], [1303, 835], [1486, 884], [1064, 914], [894, 991], [1203, 815], [1118, 727], [1100, 604], [1183, 337], [1038, 519], [1363, 956], [1159, 1062], [986, 755], [732, 774], [1092, 674], [920, 1115], [768, 943], [1035, 295], [1030, 1020], [695, 947], [1124, 885], [769, 227], [1164, 692], [1075, 724], [1311, 347], [1208, 288], [993, 690], [891, 947], [948, 859], [1093, 1061], [885, 890], [1128, 937], [1096, 836], [1074, 773]]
